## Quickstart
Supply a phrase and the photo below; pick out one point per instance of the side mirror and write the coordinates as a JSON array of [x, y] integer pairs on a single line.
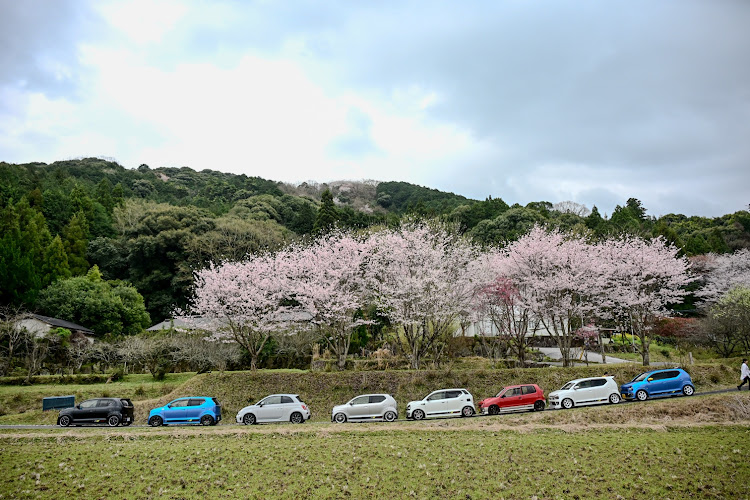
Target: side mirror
[[169, 406], [650, 379], [575, 388], [351, 403], [79, 407], [260, 404]]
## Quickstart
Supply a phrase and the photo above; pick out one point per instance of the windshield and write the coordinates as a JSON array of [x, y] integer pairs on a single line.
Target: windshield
[[501, 393], [567, 386], [640, 378]]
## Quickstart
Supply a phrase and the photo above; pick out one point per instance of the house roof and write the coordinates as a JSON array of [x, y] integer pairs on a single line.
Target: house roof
[[209, 324], [61, 323]]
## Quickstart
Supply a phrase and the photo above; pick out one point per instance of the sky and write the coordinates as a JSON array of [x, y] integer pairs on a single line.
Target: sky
[[588, 101]]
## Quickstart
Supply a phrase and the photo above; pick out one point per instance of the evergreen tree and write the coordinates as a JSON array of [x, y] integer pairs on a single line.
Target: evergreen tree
[[328, 216], [75, 239], [104, 194], [55, 262]]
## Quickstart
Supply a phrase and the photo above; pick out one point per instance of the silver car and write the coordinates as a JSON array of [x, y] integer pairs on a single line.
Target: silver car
[[275, 408], [366, 408]]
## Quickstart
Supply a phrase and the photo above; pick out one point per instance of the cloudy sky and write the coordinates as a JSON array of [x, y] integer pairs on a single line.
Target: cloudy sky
[[590, 101]]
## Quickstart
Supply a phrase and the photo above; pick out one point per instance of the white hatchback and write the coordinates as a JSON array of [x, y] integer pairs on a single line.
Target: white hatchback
[[275, 408], [442, 403], [586, 391], [366, 408]]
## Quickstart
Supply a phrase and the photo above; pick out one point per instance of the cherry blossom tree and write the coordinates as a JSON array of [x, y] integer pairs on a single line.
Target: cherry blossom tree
[[722, 273], [642, 278], [587, 334], [422, 282], [244, 300], [326, 280], [559, 278]]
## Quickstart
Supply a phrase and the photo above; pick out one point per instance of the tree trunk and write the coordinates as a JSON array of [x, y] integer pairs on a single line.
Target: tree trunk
[[601, 346], [253, 361], [342, 361]]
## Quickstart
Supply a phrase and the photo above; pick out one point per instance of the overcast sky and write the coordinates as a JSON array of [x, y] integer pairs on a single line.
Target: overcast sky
[[590, 101]]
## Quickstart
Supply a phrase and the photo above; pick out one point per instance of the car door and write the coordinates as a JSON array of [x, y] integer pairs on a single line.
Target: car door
[[599, 391], [103, 408], [376, 408], [528, 396], [85, 412], [435, 403], [663, 382], [512, 398], [287, 407], [193, 409], [582, 392], [176, 411], [454, 402], [359, 407], [271, 409]]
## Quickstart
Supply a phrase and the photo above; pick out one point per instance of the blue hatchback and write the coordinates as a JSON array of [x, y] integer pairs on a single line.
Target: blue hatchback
[[658, 383], [192, 410]]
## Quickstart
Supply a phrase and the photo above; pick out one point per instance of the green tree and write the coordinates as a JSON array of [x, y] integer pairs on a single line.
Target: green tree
[[75, 239], [55, 264], [106, 307], [327, 214]]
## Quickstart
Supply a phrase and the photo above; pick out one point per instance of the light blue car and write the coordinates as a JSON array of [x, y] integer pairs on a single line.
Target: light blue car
[[191, 410], [658, 383]]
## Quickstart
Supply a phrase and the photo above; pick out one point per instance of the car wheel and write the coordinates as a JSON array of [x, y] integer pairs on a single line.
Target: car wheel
[[390, 416], [688, 390], [567, 403], [539, 405], [113, 421], [155, 421], [467, 411], [614, 398], [417, 415], [296, 418], [64, 421], [493, 410], [207, 420], [641, 395], [248, 419], [340, 418]]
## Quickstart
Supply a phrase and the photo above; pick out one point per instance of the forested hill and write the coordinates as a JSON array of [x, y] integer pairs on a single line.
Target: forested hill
[[152, 227]]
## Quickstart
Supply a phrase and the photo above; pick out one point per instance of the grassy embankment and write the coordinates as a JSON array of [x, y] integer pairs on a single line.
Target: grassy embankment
[[322, 390]]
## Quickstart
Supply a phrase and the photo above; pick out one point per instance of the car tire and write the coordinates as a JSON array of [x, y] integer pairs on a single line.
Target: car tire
[[64, 421], [390, 416], [113, 421], [538, 405], [641, 395], [249, 419], [296, 418], [688, 390], [567, 403], [418, 415], [155, 421], [339, 418], [493, 410], [467, 411], [614, 398], [207, 420]]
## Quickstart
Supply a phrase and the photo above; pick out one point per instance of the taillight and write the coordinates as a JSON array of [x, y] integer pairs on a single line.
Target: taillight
[[304, 407]]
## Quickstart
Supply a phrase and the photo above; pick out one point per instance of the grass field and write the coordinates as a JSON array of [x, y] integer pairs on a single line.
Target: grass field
[[447, 459]]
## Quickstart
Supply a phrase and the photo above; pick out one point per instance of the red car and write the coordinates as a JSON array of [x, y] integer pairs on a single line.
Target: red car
[[514, 398]]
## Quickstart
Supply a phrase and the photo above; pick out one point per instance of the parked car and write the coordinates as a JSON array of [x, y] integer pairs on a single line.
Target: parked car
[[585, 391], [514, 398], [110, 411], [275, 408], [190, 410], [367, 407], [442, 403], [658, 383]]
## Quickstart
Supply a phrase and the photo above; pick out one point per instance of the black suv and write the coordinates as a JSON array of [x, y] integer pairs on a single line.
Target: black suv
[[112, 411]]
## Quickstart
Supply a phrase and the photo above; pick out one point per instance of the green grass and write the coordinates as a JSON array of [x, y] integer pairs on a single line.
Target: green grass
[[412, 461]]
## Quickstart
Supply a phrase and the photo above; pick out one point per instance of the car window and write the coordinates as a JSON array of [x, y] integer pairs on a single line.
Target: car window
[[91, 403], [567, 386], [272, 400], [126, 402], [436, 396], [640, 378], [672, 374], [453, 394], [528, 389], [216, 401], [598, 382], [658, 376], [179, 403], [105, 402], [516, 391], [286, 400], [377, 399], [196, 402], [584, 384]]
